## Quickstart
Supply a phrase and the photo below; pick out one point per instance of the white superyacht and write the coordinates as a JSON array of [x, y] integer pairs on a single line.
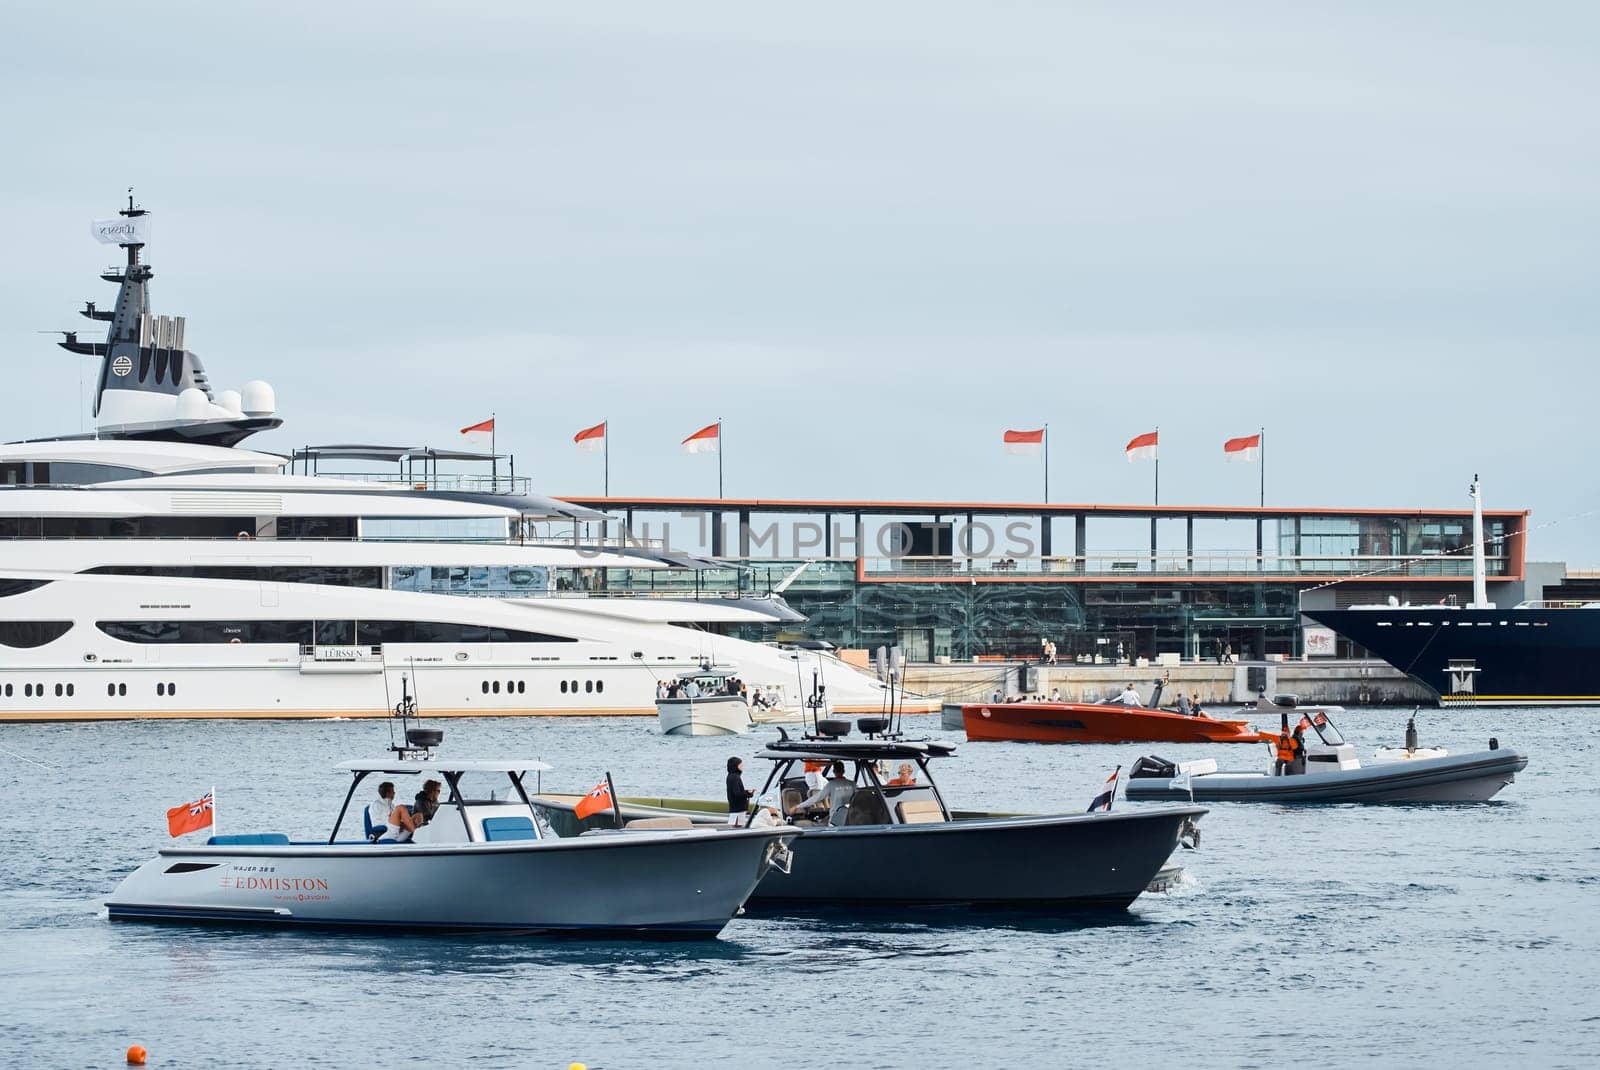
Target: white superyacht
[[157, 569]]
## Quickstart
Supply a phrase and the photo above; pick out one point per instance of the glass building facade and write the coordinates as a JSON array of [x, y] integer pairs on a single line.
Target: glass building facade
[[1183, 594]]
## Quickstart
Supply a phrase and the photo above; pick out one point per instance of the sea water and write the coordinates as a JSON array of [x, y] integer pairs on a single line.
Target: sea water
[[1313, 936]]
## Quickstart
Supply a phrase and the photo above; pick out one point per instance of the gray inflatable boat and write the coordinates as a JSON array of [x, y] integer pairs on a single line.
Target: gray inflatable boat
[[1331, 773]]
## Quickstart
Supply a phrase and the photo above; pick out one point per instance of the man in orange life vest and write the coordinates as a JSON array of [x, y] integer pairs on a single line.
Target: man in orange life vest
[[1289, 750]]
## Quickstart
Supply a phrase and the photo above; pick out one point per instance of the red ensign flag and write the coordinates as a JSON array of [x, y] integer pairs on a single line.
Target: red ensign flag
[[597, 800], [190, 816]]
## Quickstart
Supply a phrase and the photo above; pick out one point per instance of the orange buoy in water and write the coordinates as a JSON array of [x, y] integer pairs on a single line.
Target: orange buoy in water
[[136, 1055]]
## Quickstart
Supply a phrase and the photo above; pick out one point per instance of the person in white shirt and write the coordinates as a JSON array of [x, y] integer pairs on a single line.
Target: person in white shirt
[[1055, 694], [1130, 697], [661, 689], [387, 818]]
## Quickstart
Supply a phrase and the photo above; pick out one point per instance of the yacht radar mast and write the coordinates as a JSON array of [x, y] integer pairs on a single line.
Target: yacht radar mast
[[150, 386]]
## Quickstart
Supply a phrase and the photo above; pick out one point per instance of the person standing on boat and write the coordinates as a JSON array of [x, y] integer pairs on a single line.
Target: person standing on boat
[[739, 796], [1283, 751], [1298, 742]]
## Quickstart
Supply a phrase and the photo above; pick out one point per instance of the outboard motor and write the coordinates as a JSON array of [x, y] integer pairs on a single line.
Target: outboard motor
[[1154, 768], [1411, 733]]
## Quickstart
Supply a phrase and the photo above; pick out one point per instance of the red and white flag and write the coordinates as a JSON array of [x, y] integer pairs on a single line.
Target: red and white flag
[[591, 439], [480, 434], [1143, 447], [593, 803], [1242, 449], [1024, 442], [703, 440], [191, 816]]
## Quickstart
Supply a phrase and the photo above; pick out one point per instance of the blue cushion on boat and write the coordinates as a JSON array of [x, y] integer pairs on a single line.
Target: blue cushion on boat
[[509, 828], [249, 839]]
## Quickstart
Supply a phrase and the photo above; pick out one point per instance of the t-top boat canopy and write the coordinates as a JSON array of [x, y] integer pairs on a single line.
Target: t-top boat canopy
[[460, 765], [712, 672], [865, 750]]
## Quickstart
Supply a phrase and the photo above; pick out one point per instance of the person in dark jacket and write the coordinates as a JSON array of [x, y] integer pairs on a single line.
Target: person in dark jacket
[[738, 795]]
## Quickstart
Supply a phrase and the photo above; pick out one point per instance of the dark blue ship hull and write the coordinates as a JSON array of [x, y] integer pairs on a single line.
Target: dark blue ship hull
[[1500, 657]]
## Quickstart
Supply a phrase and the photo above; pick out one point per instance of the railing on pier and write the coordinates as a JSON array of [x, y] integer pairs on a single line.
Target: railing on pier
[[1137, 564]]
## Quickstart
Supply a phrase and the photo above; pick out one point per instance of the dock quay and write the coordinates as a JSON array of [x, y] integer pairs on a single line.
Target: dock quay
[[1337, 682]]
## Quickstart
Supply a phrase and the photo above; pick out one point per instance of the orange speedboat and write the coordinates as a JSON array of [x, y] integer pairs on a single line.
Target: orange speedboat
[[1081, 722]]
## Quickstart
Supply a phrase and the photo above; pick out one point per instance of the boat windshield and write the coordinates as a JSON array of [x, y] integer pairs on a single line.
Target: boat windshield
[[884, 792], [1325, 729]]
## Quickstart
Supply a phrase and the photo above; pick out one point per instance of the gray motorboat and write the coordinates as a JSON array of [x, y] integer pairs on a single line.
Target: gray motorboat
[[900, 843], [485, 863], [1332, 773]]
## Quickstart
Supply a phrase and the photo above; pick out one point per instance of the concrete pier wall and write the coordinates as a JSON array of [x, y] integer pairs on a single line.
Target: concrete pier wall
[[1344, 683]]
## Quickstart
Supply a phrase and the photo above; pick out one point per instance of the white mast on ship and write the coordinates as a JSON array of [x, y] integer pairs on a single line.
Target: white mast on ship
[[1480, 582]]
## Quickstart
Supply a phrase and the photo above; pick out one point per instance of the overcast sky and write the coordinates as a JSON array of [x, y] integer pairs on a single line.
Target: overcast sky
[[870, 237]]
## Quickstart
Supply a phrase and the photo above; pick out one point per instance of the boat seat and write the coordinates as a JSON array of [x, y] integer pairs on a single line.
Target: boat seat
[[501, 829], [919, 812], [791, 799], [660, 823], [866, 808], [373, 834], [249, 839]]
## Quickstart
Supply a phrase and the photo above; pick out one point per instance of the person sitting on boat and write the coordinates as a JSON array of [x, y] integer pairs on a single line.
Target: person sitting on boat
[[691, 689], [904, 777], [1183, 704], [427, 802], [1194, 706], [836, 793], [738, 795], [389, 819], [1130, 697]]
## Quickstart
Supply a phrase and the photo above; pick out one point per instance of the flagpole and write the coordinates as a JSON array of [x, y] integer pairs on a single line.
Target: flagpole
[[719, 457], [1158, 464], [1047, 465], [606, 464], [494, 456], [213, 811], [616, 807], [1261, 463]]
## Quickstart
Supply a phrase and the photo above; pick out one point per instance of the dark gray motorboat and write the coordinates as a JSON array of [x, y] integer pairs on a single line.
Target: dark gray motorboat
[[1331, 773], [895, 843]]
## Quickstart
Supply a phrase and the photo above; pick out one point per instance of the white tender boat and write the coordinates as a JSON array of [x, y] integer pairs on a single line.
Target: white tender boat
[[704, 702], [485, 863]]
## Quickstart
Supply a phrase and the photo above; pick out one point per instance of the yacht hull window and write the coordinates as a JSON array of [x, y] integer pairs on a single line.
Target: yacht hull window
[[326, 575], [320, 633], [27, 634], [497, 581]]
